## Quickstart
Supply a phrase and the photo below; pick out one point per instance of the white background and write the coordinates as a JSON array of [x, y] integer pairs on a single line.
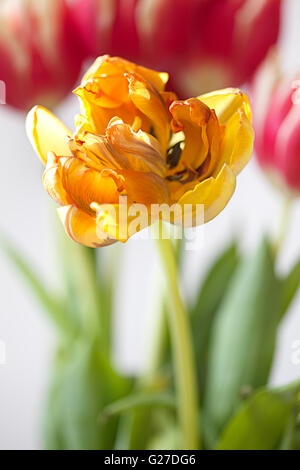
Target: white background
[[27, 333]]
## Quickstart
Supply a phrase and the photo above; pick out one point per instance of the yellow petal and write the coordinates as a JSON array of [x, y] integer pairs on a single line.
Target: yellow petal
[[213, 193], [147, 100], [226, 102], [82, 228], [122, 221], [106, 65], [200, 127], [140, 151], [46, 133], [145, 188], [238, 143], [52, 179], [104, 93], [85, 185]]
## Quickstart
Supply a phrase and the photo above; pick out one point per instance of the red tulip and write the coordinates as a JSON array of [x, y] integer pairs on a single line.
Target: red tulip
[[207, 44], [277, 124], [106, 26], [93, 21], [204, 44], [40, 59]]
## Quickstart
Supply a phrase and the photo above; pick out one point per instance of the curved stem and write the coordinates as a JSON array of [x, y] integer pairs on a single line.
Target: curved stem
[[185, 373]]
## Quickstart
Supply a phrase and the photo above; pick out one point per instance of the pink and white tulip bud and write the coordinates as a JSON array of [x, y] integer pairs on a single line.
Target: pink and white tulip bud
[[207, 44], [40, 59], [276, 106]]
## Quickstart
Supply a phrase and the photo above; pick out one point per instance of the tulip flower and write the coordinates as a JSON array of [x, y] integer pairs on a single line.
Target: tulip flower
[[220, 42], [40, 59], [134, 140], [277, 123]]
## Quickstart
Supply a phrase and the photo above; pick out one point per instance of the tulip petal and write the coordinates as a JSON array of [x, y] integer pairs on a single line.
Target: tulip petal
[[52, 180], [82, 228], [46, 133], [122, 221], [147, 100], [263, 86], [104, 93], [106, 65], [238, 143], [226, 102], [202, 133], [85, 185], [141, 151], [145, 188], [287, 149], [213, 193], [191, 117]]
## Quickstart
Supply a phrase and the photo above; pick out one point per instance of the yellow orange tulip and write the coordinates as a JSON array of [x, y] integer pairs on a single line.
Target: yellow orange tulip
[[136, 141]]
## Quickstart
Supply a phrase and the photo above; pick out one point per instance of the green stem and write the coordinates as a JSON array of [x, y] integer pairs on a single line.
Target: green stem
[[160, 335], [185, 372]]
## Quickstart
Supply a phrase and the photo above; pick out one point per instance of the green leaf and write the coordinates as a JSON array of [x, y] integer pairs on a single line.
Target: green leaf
[[137, 400], [77, 274], [52, 304], [84, 383], [289, 288], [259, 423], [209, 298], [267, 420], [243, 337], [87, 280]]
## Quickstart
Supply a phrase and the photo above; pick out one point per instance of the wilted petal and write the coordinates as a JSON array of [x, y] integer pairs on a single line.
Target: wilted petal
[[145, 188], [52, 179], [196, 121], [82, 228], [86, 185], [147, 100], [141, 150]]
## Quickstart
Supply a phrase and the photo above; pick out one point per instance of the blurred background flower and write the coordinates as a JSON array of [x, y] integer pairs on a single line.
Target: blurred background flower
[[207, 44], [203, 44], [41, 56], [277, 120]]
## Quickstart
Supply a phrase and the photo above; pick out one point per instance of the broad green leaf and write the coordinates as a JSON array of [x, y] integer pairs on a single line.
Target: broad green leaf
[[243, 337], [53, 419], [77, 274], [259, 423], [289, 288], [209, 298], [267, 420], [83, 386], [87, 279], [52, 304]]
